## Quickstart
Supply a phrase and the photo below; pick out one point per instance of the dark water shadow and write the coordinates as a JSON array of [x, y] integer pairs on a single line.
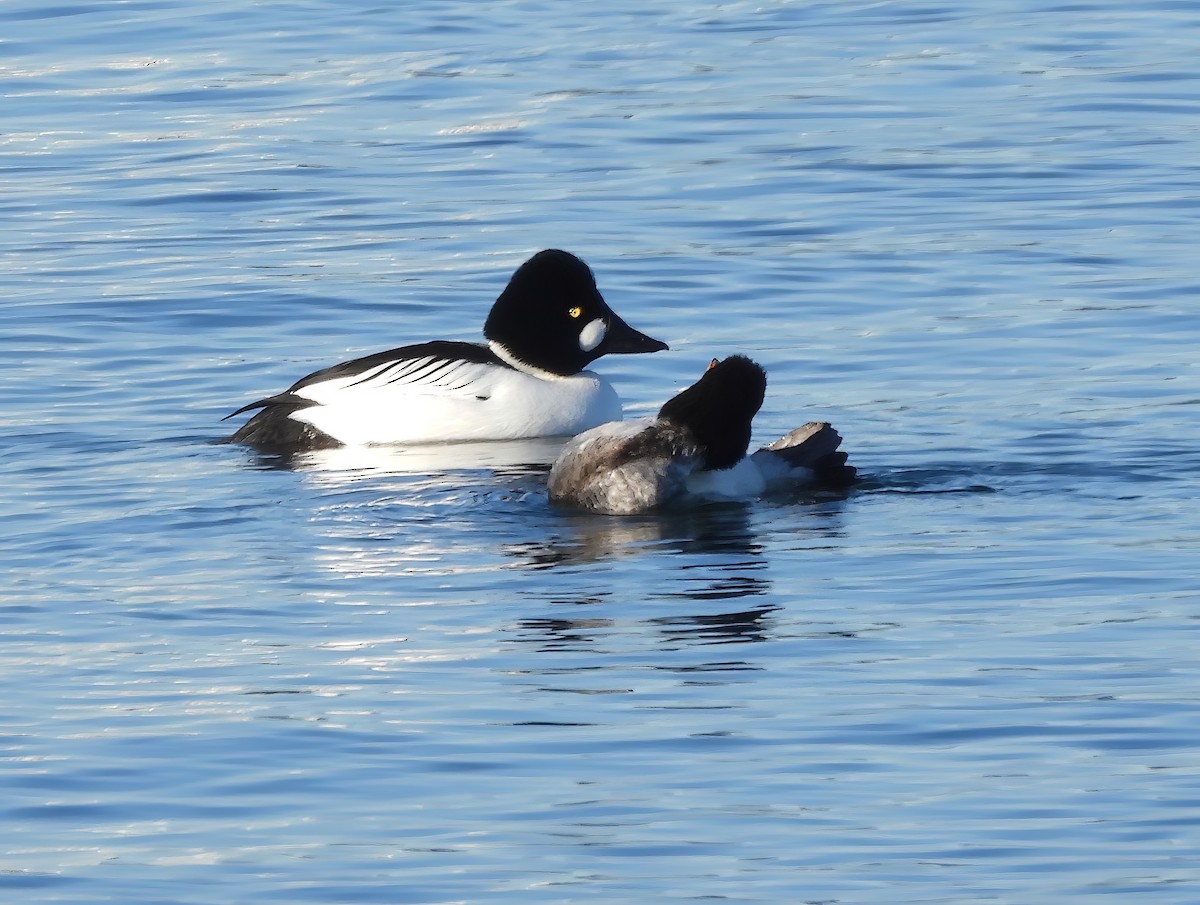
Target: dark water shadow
[[923, 481], [736, 627], [591, 633], [1017, 476]]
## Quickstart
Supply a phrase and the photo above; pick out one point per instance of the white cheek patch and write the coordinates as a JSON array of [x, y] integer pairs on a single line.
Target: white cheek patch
[[592, 334]]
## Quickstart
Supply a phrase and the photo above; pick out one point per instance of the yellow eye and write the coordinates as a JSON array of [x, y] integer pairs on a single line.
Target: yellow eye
[[575, 312]]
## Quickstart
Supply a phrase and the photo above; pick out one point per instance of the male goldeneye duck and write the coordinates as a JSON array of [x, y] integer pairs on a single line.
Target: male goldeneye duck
[[695, 447], [548, 324]]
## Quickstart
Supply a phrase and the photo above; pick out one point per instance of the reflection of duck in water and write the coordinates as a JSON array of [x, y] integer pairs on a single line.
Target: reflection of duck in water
[[595, 634], [695, 447]]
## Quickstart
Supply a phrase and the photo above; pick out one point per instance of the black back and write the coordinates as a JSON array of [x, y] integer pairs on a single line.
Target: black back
[[451, 350]]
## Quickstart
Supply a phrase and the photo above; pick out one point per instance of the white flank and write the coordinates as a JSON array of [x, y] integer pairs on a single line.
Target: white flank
[[420, 402]]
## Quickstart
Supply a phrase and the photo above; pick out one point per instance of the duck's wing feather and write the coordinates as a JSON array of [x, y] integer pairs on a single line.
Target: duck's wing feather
[[423, 362], [813, 446], [442, 367]]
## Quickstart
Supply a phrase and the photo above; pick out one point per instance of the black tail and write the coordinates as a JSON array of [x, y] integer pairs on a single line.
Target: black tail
[[272, 431]]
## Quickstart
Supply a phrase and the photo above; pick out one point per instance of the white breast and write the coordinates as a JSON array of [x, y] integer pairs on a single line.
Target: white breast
[[453, 401]]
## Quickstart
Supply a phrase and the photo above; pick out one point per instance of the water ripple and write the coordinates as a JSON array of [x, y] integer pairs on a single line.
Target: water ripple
[[963, 235]]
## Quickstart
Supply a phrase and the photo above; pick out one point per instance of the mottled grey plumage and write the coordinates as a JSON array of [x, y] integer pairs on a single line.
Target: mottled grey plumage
[[624, 467]]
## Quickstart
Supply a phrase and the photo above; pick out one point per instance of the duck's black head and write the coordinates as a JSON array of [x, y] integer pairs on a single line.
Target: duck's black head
[[552, 317], [719, 407]]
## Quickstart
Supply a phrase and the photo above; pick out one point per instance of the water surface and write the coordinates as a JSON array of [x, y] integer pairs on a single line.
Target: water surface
[[965, 237]]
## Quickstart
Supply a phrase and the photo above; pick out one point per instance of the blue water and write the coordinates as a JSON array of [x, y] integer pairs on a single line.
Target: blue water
[[966, 235]]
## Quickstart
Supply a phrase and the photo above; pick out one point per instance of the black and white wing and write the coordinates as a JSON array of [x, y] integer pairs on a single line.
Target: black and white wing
[[435, 368]]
